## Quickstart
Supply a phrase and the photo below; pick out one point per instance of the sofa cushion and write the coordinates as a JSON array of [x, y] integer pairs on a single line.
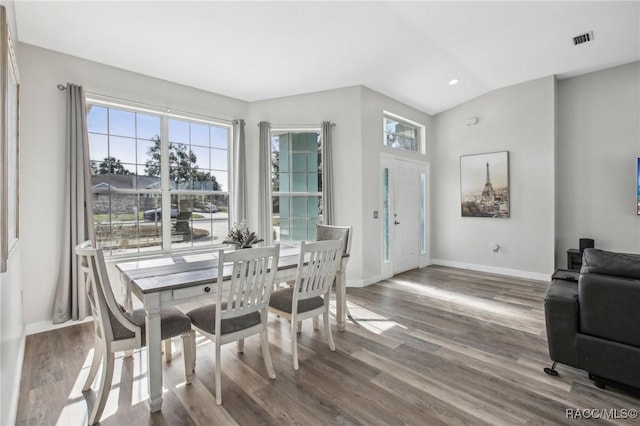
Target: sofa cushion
[[609, 308], [602, 262]]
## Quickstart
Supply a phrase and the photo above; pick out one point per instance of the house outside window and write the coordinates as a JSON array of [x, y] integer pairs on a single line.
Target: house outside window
[[296, 184], [159, 181], [404, 134]]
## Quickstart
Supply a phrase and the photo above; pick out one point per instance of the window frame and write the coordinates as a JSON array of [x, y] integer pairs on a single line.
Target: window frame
[[165, 191], [275, 131], [420, 128]]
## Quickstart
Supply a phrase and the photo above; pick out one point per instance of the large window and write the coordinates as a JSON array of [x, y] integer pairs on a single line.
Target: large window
[[159, 182], [401, 133], [296, 184]]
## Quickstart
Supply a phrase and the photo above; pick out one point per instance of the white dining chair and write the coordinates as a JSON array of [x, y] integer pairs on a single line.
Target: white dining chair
[[336, 232], [309, 296], [117, 330], [242, 302]]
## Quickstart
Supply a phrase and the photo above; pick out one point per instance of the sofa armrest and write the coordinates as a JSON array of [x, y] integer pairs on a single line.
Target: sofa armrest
[[561, 317], [610, 308]]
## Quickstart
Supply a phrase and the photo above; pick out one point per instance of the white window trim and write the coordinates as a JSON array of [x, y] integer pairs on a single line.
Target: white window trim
[[278, 130], [421, 127], [165, 114]]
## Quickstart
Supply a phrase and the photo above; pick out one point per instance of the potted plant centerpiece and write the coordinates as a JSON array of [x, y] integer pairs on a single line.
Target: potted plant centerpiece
[[241, 237]]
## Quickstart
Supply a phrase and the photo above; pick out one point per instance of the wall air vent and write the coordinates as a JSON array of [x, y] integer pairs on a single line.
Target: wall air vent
[[583, 38]]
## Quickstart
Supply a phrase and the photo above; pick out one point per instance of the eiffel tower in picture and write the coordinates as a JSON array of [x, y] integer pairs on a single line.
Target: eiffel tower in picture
[[488, 194]]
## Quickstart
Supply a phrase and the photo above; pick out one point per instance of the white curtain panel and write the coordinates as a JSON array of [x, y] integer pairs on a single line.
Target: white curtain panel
[[327, 173], [239, 195], [71, 301], [265, 227]]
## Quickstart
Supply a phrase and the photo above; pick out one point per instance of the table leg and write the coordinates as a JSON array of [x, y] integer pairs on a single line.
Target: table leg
[[154, 352], [341, 302], [126, 287]]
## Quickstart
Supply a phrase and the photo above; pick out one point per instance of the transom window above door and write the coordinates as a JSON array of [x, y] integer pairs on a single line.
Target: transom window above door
[[401, 133]]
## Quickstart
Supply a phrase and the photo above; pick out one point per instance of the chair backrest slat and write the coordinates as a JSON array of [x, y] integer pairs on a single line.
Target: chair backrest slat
[[252, 276], [317, 267]]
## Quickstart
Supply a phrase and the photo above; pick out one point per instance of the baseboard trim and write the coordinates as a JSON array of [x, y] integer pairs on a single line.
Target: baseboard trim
[[367, 281], [494, 270], [17, 378], [42, 326]]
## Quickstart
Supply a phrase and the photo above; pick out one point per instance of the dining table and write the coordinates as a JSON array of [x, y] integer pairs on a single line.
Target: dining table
[[179, 278]]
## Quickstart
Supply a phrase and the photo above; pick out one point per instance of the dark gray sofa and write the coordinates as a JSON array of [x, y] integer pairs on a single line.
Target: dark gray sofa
[[594, 324]]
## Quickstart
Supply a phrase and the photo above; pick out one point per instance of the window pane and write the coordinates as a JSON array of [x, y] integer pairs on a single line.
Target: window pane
[[299, 162], [298, 230], [98, 146], [148, 126], [219, 159], [285, 206], [423, 214], [122, 149], [199, 220], [120, 226], [313, 206], [312, 182], [97, 119], [201, 157], [299, 182], [200, 134], [122, 123], [299, 207], [219, 137], [221, 180], [385, 216], [299, 142], [285, 179], [147, 152], [178, 131]]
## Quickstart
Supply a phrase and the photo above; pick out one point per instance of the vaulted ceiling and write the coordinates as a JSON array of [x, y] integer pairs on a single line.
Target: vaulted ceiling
[[407, 50]]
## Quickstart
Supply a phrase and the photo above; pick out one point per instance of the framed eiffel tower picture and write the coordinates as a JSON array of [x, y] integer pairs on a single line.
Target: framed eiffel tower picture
[[484, 185]]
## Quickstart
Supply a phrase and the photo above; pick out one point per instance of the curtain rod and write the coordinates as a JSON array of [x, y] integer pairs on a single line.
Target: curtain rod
[[155, 108], [296, 126]]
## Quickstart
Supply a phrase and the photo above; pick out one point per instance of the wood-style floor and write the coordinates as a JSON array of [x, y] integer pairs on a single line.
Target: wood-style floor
[[434, 346]]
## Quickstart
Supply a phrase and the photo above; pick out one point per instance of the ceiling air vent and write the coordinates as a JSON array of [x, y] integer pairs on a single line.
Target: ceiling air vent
[[583, 38]]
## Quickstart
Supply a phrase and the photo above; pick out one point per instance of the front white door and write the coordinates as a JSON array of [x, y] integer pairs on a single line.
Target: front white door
[[407, 214]]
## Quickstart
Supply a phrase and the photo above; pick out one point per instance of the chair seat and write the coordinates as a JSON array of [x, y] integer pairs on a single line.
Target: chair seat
[[172, 323], [204, 318], [282, 300]]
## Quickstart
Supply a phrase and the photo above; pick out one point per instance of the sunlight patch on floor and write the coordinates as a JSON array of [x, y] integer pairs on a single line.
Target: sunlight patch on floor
[[466, 301], [369, 320], [77, 407]]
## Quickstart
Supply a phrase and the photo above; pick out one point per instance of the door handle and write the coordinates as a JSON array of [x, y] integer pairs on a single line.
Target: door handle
[[395, 222]]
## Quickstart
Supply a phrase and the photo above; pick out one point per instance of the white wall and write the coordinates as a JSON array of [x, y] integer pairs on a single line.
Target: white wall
[[518, 119], [598, 148], [43, 117]]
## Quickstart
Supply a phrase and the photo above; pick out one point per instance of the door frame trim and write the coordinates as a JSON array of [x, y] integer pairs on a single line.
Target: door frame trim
[[386, 161]]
